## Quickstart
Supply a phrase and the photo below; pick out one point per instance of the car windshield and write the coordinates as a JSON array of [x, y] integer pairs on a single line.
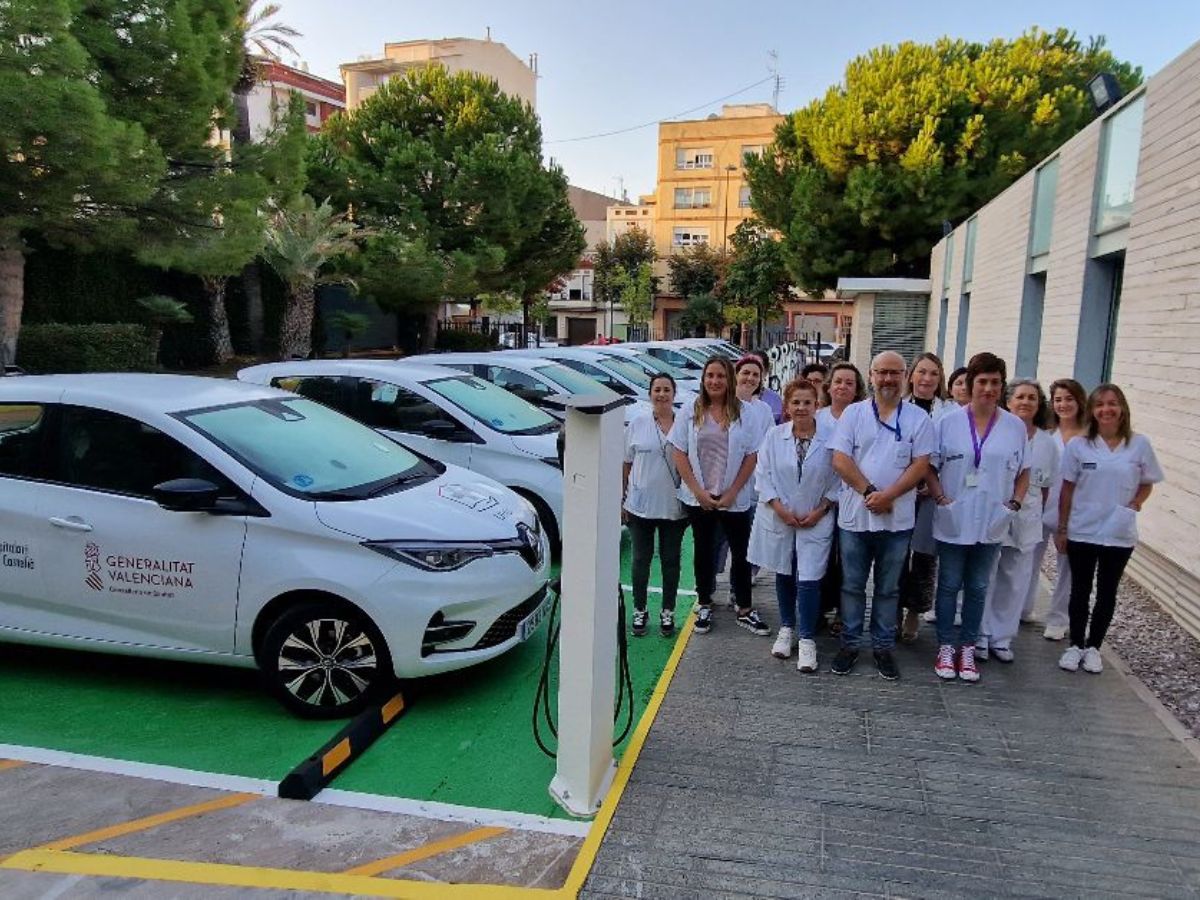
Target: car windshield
[[493, 406], [655, 364], [678, 359], [571, 381], [699, 357], [309, 450], [627, 369]]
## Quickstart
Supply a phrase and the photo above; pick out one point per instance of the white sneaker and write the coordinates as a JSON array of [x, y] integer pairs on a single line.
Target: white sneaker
[[1003, 654], [981, 651], [783, 642], [806, 654], [930, 615], [1069, 661], [1055, 632], [1092, 661]]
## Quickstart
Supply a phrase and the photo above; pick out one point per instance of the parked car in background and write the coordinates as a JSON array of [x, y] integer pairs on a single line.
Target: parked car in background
[[689, 359], [621, 375], [446, 414], [714, 345], [210, 520], [652, 365]]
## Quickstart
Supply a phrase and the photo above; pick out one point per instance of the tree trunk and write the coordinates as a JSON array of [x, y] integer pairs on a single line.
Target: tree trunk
[[218, 319], [431, 322], [295, 332], [156, 332], [12, 297], [252, 286]]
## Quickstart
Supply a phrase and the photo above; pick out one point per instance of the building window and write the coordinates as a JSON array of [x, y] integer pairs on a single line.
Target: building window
[[689, 237], [960, 341], [969, 252], [1029, 331], [751, 150], [310, 109], [1044, 190], [943, 315], [575, 294], [1119, 145], [1101, 305], [744, 196], [693, 198], [693, 158], [947, 264]]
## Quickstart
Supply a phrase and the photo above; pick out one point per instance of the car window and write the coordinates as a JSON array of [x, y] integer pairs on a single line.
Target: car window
[[627, 369], [325, 389], [394, 408], [107, 451], [655, 364], [598, 374], [574, 382], [21, 432], [308, 449], [493, 406], [523, 385], [696, 356]]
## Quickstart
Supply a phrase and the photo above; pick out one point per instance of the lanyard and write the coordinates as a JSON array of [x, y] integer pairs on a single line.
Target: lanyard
[[976, 441], [896, 430]]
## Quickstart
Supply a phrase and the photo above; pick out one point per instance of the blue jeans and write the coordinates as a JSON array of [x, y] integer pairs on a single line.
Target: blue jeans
[[862, 550], [804, 596], [965, 567]]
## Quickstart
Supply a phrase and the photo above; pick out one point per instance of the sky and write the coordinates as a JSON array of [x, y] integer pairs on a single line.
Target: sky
[[618, 64]]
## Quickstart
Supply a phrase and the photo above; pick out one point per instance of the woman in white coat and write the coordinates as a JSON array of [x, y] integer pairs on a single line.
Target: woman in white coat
[[793, 528], [1019, 554], [1068, 403], [716, 449]]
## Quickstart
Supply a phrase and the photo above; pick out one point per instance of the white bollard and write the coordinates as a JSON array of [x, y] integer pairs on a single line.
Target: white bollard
[[591, 562]]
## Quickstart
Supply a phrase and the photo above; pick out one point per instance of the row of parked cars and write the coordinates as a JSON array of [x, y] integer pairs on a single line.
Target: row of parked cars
[[335, 523]]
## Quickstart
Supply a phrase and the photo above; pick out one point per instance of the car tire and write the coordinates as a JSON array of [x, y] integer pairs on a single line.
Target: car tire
[[325, 660]]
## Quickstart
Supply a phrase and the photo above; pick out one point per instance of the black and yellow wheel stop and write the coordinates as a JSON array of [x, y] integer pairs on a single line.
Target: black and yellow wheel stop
[[314, 774]]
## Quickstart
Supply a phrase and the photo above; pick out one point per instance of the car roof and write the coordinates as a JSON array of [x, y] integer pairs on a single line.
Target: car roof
[[134, 392], [491, 357], [383, 369]]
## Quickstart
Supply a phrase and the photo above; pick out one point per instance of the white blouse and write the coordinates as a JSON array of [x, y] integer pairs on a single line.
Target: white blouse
[[1105, 482], [743, 441], [653, 480]]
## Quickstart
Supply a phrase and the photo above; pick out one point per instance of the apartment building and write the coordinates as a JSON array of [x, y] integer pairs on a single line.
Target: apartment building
[[515, 76], [576, 314], [702, 195], [1089, 267], [622, 217], [272, 92]]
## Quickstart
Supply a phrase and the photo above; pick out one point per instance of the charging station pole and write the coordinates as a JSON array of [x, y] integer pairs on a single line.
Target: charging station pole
[[591, 565]]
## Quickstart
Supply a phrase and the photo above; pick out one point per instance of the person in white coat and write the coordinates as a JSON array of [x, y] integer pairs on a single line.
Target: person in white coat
[[651, 504], [1068, 403], [979, 478], [793, 526], [1107, 477], [1019, 556], [716, 448]]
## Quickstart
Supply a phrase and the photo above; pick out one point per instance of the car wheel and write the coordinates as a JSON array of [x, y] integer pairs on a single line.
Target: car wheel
[[325, 660]]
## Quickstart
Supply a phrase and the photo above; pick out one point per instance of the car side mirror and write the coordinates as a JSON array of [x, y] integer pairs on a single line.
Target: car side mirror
[[187, 495]]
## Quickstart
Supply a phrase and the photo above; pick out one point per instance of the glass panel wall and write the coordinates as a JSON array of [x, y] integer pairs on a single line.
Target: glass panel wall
[[1120, 143]]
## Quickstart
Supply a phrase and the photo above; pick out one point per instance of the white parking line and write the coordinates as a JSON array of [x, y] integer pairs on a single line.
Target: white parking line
[[425, 809]]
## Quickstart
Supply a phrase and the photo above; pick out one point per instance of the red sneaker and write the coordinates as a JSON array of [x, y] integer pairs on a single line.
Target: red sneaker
[[944, 667], [966, 663]]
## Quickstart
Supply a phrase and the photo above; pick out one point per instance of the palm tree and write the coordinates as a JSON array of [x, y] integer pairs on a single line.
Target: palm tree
[[350, 325], [161, 311], [301, 239], [261, 36]]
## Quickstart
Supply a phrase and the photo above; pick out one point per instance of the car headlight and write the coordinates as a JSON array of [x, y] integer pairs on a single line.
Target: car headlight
[[431, 556], [528, 514]]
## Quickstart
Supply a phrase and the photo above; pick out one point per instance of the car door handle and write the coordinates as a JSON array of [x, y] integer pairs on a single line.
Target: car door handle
[[74, 523]]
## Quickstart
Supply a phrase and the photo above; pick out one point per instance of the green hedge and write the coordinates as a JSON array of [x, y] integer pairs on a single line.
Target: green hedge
[[454, 339], [117, 347]]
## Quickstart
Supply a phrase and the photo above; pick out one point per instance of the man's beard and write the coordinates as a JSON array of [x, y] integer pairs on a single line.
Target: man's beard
[[888, 392]]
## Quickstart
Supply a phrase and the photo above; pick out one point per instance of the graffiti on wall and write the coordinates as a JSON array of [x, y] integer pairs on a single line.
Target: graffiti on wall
[[786, 361]]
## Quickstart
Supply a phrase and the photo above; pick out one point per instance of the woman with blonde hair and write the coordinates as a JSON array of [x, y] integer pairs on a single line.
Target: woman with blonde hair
[[1068, 408], [715, 449], [1108, 475]]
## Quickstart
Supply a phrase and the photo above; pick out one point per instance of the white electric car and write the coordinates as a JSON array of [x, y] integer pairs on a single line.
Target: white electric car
[[443, 413], [624, 376], [214, 521], [651, 365]]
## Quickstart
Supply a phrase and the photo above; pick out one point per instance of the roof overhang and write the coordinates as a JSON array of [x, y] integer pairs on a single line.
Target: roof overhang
[[852, 287]]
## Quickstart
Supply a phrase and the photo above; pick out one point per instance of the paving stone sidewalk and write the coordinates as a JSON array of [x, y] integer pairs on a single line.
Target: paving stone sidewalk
[[758, 781]]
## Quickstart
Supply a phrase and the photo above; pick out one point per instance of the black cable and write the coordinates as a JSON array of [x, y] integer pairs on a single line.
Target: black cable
[[541, 699], [624, 680]]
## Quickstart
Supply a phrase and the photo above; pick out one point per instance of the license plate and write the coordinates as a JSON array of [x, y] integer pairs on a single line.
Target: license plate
[[530, 625]]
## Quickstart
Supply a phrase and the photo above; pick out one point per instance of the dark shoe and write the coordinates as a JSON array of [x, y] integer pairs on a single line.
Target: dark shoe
[[640, 617], [752, 623], [844, 662], [886, 664], [666, 622], [704, 620]]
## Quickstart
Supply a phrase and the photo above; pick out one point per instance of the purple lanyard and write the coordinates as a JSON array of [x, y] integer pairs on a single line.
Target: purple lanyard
[[976, 441]]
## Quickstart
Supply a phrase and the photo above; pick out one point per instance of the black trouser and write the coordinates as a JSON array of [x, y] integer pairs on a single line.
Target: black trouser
[[707, 525], [670, 539], [831, 583], [916, 582], [1104, 565]]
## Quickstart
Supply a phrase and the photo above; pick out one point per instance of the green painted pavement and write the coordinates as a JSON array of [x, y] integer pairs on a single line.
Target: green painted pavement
[[465, 739]]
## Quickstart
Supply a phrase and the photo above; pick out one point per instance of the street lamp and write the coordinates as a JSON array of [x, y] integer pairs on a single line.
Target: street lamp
[[725, 223]]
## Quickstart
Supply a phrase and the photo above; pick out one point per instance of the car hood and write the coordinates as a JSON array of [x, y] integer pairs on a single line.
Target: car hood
[[458, 506], [544, 446]]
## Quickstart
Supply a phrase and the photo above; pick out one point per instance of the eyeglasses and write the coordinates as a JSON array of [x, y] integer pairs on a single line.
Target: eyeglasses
[[894, 373]]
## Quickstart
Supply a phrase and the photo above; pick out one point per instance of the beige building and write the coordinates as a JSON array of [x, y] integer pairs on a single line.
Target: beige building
[[702, 194], [515, 76], [622, 217], [576, 314], [1089, 267]]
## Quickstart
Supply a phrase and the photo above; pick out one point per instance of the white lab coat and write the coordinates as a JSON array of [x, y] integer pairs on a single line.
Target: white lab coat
[[1105, 481], [773, 545], [1041, 455], [744, 435]]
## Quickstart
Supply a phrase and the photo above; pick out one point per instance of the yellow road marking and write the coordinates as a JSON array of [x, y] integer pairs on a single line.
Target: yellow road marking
[[433, 848], [591, 844], [148, 822], [103, 865], [335, 757], [12, 764], [392, 708]]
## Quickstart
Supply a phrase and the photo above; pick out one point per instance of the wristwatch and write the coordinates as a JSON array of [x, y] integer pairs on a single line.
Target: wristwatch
[[1014, 505], [869, 489]]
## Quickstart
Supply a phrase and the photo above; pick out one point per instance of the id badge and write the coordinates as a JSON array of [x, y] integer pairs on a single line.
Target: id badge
[[903, 454], [972, 480]]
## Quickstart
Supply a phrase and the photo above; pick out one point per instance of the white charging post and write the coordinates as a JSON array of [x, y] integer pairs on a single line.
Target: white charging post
[[591, 564]]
